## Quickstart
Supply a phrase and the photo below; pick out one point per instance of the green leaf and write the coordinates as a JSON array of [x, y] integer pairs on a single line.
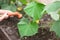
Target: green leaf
[[56, 27], [54, 15], [53, 6], [53, 9], [23, 1], [13, 0], [27, 28], [0, 2], [31, 0], [9, 7], [34, 10]]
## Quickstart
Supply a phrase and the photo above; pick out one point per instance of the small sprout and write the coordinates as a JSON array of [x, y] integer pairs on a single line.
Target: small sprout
[[37, 21], [19, 8]]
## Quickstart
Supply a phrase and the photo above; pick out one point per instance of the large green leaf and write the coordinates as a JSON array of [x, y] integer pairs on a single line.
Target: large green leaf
[[9, 7], [27, 28], [34, 10], [53, 6], [56, 27], [53, 9]]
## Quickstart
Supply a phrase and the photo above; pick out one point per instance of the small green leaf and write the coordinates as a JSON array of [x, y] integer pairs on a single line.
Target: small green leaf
[[23, 1], [13, 0], [9, 7], [1, 3], [27, 28], [34, 10], [56, 27]]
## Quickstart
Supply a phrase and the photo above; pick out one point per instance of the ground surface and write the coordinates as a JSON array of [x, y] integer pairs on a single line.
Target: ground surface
[[9, 31]]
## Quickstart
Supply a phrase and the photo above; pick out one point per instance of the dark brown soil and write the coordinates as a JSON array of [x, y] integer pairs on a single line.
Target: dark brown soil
[[9, 31]]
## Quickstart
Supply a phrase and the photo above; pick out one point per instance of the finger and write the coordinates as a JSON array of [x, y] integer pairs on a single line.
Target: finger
[[6, 17], [4, 11], [3, 17]]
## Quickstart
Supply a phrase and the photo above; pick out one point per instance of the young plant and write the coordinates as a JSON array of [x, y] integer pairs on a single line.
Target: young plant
[[28, 26], [36, 10]]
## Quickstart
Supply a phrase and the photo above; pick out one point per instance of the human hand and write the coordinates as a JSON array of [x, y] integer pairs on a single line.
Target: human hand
[[4, 14]]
